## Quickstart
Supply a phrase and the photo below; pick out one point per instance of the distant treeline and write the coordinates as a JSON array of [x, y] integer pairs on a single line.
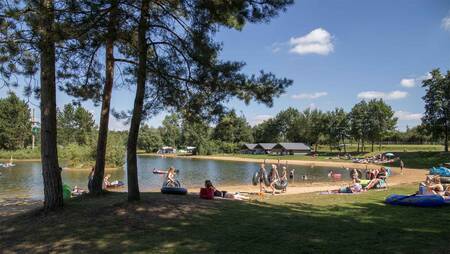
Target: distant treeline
[[77, 134], [370, 123]]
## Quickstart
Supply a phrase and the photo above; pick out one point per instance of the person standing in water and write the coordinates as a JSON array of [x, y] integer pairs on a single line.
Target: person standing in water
[[262, 173], [284, 177], [402, 165], [273, 177]]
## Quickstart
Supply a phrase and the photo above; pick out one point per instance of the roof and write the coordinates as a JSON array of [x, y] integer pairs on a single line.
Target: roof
[[249, 146], [293, 146], [265, 146]]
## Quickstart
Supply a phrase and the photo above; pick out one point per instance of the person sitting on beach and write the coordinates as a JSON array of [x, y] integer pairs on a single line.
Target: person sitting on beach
[[371, 174], [447, 192], [273, 177], [283, 177], [224, 194], [435, 186], [354, 175], [170, 177], [106, 182], [379, 181]]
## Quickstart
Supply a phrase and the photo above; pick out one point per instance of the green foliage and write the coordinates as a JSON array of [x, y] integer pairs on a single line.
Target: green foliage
[[170, 130], [15, 123], [115, 149], [149, 139], [75, 125], [233, 129], [437, 105], [77, 155]]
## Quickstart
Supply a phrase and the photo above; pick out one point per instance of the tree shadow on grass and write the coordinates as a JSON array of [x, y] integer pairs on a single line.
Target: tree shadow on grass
[[187, 224]]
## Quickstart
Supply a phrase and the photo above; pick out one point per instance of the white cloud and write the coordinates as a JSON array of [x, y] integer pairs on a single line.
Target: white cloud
[[394, 95], [407, 116], [259, 119], [445, 24], [309, 95], [411, 82], [408, 82], [318, 41]]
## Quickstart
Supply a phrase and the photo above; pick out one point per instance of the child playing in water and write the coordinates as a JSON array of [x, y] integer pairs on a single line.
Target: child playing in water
[[170, 177]]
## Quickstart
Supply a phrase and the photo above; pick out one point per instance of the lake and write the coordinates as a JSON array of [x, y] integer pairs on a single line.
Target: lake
[[25, 179]]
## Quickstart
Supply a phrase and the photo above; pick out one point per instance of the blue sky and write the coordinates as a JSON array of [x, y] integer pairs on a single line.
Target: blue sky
[[337, 52]]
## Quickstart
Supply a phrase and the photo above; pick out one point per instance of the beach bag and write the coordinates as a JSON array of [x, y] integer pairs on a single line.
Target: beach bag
[[206, 193]]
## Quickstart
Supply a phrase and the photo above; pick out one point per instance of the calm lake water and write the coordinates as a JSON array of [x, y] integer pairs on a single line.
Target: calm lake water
[[25, 179]]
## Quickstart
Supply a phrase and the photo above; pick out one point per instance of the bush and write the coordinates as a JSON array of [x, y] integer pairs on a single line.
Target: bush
[[23, 154]]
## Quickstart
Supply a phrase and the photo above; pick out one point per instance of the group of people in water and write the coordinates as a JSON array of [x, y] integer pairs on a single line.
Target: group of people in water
[[273, 177]]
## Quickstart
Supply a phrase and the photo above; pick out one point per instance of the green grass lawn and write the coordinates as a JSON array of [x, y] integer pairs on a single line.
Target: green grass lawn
[[306, 223]]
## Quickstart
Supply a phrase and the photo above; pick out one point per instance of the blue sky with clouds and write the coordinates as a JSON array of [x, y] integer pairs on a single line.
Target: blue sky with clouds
[[337, 52]]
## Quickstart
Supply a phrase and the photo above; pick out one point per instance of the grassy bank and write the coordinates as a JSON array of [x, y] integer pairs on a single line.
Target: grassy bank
[[303, 223]]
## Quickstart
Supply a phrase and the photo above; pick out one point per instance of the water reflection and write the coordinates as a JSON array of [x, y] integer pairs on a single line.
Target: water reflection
[[25, 179]]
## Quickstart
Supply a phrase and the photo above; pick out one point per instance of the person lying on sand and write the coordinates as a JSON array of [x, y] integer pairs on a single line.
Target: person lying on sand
[[77, 191], [352, 188], [224, 194]]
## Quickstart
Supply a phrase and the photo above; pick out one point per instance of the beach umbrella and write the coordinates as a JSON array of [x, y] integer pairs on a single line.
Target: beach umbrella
[[389, 155]]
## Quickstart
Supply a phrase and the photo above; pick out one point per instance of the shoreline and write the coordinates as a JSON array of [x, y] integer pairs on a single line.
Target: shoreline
[[313, 163]]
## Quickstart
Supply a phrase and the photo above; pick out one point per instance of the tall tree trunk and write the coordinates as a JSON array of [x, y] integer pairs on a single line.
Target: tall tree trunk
[[99, 172], [133, 185], [358, 146], [373, 142], [51, 172]]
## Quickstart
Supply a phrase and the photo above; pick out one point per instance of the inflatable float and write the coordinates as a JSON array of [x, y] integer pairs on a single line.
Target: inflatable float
[[157, 171], [115, 184], [445, 179], [442, 171], [416, 200], [173, 188], [162, 172], [279, 184]]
